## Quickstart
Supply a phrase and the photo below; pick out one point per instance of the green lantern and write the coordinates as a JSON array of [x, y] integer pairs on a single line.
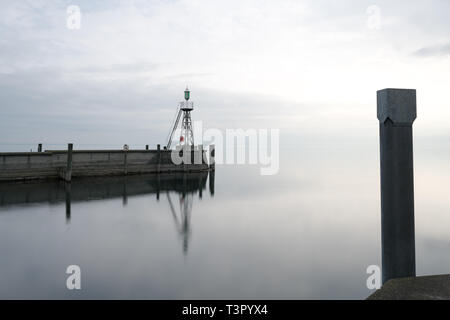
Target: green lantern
[[187, 94]]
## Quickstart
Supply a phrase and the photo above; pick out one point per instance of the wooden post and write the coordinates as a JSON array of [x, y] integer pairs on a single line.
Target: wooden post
[[158, 148], [125, 156], [198, 159], [396, 112], [146, 147], [40, 147], [68, 175]]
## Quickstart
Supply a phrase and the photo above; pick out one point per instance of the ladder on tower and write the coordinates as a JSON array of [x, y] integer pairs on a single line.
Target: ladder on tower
[[185, 107], [174, 126]]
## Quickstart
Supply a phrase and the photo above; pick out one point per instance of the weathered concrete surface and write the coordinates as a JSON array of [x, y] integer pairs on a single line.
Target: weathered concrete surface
[[415, 288], [86, 163], [396, 109], [399, 105]]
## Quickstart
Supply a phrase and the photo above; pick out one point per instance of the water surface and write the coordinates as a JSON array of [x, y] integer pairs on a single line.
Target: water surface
[[308, 232]]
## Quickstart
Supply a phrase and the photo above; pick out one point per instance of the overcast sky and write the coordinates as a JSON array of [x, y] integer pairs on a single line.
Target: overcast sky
[[309, 67]]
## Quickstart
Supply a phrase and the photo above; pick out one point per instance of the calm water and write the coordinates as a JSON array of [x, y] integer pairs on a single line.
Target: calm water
[[308, 232]]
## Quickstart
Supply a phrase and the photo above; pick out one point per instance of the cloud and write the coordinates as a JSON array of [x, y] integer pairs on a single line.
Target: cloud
[[430, 51], [250, 63]]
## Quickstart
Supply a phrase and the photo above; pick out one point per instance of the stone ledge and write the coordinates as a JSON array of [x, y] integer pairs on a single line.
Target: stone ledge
[[436, 287]]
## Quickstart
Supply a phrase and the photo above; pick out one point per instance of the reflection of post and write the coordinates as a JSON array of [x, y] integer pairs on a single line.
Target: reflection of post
[[124, 194], [211, 182], [158, 186], [184, 184], [68, 189], [200, 186], [396, 111], [212, 154], [186, 209]]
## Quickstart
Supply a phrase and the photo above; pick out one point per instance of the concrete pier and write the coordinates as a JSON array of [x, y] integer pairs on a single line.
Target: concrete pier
[[436, 287], [70, 163]]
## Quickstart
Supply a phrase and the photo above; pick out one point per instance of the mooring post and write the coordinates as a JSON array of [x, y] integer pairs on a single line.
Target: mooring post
[[396, 112], [40, 147], [68, 173], [198, 158], [192, 154], [204, 156], [125, 161], [158, 148], [212, 154]]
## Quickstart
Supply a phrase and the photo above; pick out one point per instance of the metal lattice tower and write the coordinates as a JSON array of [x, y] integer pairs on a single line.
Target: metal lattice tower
[[187, 134]]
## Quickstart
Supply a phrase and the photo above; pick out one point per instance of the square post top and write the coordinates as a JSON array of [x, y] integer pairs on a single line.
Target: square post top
[[399, 105]]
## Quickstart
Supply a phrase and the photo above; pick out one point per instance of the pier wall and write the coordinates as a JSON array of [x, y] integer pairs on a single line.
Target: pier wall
[[54, 163]]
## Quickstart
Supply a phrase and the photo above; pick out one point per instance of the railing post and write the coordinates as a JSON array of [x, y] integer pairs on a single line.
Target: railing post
[[396, 112]]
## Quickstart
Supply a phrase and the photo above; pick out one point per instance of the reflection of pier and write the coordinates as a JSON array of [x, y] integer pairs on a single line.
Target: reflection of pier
[[84, 189], [185, 185]]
